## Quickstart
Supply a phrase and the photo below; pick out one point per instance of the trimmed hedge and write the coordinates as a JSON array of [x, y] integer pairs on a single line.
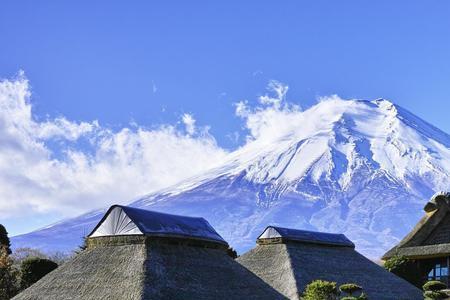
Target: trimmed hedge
[[33, 269], [434, 285], [350, 288], [321, 290], [435, 295]]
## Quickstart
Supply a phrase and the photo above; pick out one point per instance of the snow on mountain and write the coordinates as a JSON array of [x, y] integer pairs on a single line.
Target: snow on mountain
[[363, 168]]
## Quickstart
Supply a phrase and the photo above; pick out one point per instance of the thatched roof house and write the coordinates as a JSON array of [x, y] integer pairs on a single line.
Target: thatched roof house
[[289, 259], [428, 244], [139, 254]]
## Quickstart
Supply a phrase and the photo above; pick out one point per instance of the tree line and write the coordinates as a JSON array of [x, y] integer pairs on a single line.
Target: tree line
[[23, 267]]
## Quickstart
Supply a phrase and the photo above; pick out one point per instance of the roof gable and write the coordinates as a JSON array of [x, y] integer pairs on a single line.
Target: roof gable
[[288, 234], [125, 220], [116, 222], [441, 233], [432, 229]]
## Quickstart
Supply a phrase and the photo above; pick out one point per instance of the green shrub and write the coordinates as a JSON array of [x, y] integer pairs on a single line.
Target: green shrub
[[232, 253], [320, 290], [435, 295], [350, 288], [404, 268], [4, 239], [363, 297], [8, 276], [395, 263], [33, 269], [434, 285], [433, 290]]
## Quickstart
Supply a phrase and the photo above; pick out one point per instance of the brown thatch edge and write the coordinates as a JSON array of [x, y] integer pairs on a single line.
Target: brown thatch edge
[[419, 252], [120, 240]]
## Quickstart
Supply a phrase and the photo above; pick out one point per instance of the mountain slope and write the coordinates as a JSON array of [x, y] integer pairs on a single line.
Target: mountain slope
[[364, 168]]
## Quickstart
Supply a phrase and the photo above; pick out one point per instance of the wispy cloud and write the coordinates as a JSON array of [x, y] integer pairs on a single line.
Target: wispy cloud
[[61, 166], [271, 117], [189, 122], [58, 165]]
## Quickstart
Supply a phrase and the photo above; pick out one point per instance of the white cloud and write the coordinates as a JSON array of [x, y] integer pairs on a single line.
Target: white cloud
[[58, 166], [90, 166], [189, 122], [272, 117]]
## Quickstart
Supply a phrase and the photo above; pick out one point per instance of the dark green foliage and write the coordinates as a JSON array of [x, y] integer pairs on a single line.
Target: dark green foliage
[[350, 288], [83, 246], [395, 263], [33, 269], [320, 290], [8, 276], [232, 253], [4, 239], [363, 297], [434, 285], [435, 295], [404, 268], [433, 291]]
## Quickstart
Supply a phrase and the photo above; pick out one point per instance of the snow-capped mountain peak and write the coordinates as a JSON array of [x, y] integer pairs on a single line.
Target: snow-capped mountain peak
[[363, 168]]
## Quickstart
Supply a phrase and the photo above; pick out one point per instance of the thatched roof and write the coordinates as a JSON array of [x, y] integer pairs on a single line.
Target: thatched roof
[[289, 265], [431, 235], [148, 266], [125, 220], [155, 269]]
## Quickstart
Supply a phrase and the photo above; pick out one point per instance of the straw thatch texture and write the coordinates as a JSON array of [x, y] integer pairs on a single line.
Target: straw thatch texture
[[430, 237], [154, 269], [273, 265], [297, 264], [177, 272], [109, 272]]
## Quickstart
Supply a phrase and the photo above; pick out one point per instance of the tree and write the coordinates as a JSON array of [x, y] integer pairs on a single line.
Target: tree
[[83, 246], [320, 290], [404, 268], [232, 253], [4, 239], [350, 288], [8, 276], [34, 268], [21, 254]]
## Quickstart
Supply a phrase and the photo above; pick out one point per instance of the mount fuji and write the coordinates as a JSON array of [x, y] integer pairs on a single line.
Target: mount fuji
[[362, 168]]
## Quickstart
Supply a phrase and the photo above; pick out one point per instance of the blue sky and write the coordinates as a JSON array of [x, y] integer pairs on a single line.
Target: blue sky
[[149, 62]]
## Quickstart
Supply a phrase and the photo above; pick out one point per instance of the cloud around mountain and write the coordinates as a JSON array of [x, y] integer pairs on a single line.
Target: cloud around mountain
[[67, 167], [64, 167]]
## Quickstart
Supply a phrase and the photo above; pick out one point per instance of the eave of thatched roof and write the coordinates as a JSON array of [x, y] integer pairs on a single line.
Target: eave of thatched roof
[[420, 252], [289, 267], [436, 210]]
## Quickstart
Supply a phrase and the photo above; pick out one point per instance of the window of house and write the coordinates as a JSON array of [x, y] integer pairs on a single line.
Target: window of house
[[439, 272]]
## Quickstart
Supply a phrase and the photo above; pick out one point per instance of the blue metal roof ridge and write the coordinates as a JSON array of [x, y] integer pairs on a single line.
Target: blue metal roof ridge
[[153, 223], [315, 237]]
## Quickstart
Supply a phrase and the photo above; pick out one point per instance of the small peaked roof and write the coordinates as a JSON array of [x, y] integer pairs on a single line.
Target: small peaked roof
[[430, 236], [289, 267], [124, 220], [289, 234]]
